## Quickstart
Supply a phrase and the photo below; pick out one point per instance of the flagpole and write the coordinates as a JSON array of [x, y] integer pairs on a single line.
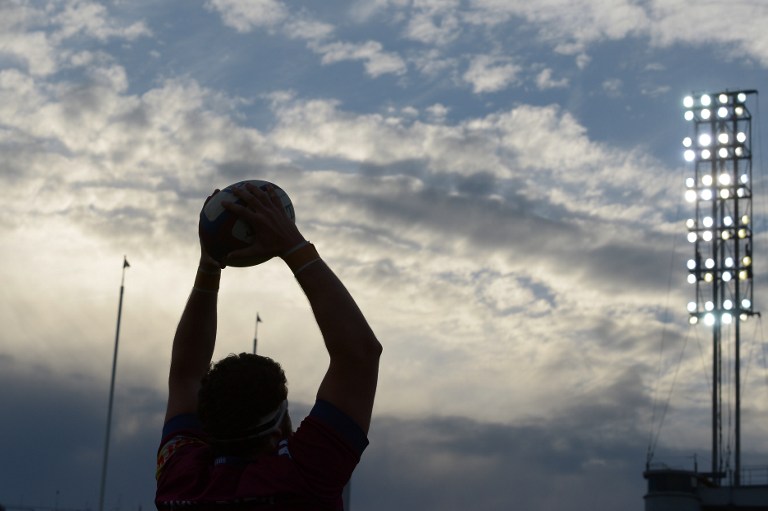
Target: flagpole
[[256, 333], [112, 389]]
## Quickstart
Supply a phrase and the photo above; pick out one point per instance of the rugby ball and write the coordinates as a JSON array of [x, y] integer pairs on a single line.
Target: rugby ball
[[222, 232]]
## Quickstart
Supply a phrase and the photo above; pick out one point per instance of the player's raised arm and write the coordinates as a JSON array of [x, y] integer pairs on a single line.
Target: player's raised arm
[[194, 340], [350, 382]]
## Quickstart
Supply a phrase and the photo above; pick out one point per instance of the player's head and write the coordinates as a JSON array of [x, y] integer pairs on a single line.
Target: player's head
[[242, 403]]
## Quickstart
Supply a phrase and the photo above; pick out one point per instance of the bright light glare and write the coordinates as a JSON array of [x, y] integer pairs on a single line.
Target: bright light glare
[[709, 306], [709, 319], [729, 262], [706, 100], [706, 180], [723, 138], [727, 221], [707, 221], [690, 195], [725, 193], [689, 155], [727, 318], [706, 195], [691, 264], [690, 223], [688, 101], [739, 111], [741, 97], [727, 276], [722, 152], [705, 113], [745, 219], [691, 278], [687, 142], [727, 304], [693, 320], [741, 137], [724, 179], [746, 260], [705, 154], [723, 98], [692, 237], [689, 182], [705, 139], [706, 235], [746, 303], [688, 115], [692, 307], [709, 263], [722, 112]]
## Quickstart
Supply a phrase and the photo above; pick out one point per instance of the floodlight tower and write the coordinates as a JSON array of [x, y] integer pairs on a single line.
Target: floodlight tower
[[720, 231]]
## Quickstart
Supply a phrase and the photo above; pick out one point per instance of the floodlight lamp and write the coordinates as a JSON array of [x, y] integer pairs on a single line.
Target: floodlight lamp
[[741, 192], [688, 101], [739, 151], [729, 262], [693, 320], [727, 305], [706, 194], [705, 154], [723, 138], [727, 221], [705, 113], [706, 179], [746, 260], [692, 237], [724, 179], [706, 100], [687, 142], [722, 112], [705, 139], [726, 318], [742, 233], [690, 183], [709, 263], [709, 306], [738, 110], [709, 319], [706, 235], [727, 276], [688, 115], [741, 137], [691, 279], [744, 178], [741, 97], [725, 193], [691, 264], [690, 223], [746, 303], [745, 219], [743, 274], [743, 316], [726, 235], [707, 222], [690, 195], [723, 98], [723, 152], [689, 155], [692, 306], [708, 277]]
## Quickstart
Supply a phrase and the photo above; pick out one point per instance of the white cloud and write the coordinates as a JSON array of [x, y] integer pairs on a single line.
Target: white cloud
[[544, 80], [376, 61], [433, 22], [246, 15], [491, 73]]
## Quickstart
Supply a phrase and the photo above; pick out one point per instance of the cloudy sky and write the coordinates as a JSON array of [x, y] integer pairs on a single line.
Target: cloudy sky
[[498, 182]]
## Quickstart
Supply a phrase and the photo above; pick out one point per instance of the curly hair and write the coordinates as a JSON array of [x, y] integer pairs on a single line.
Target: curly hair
[[235, 393]]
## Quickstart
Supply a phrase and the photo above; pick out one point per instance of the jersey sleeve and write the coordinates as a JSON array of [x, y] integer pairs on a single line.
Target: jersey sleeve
[[326, 448], [178, 432]]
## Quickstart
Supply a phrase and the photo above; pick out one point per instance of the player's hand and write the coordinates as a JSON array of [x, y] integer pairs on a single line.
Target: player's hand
[[273, 231]]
